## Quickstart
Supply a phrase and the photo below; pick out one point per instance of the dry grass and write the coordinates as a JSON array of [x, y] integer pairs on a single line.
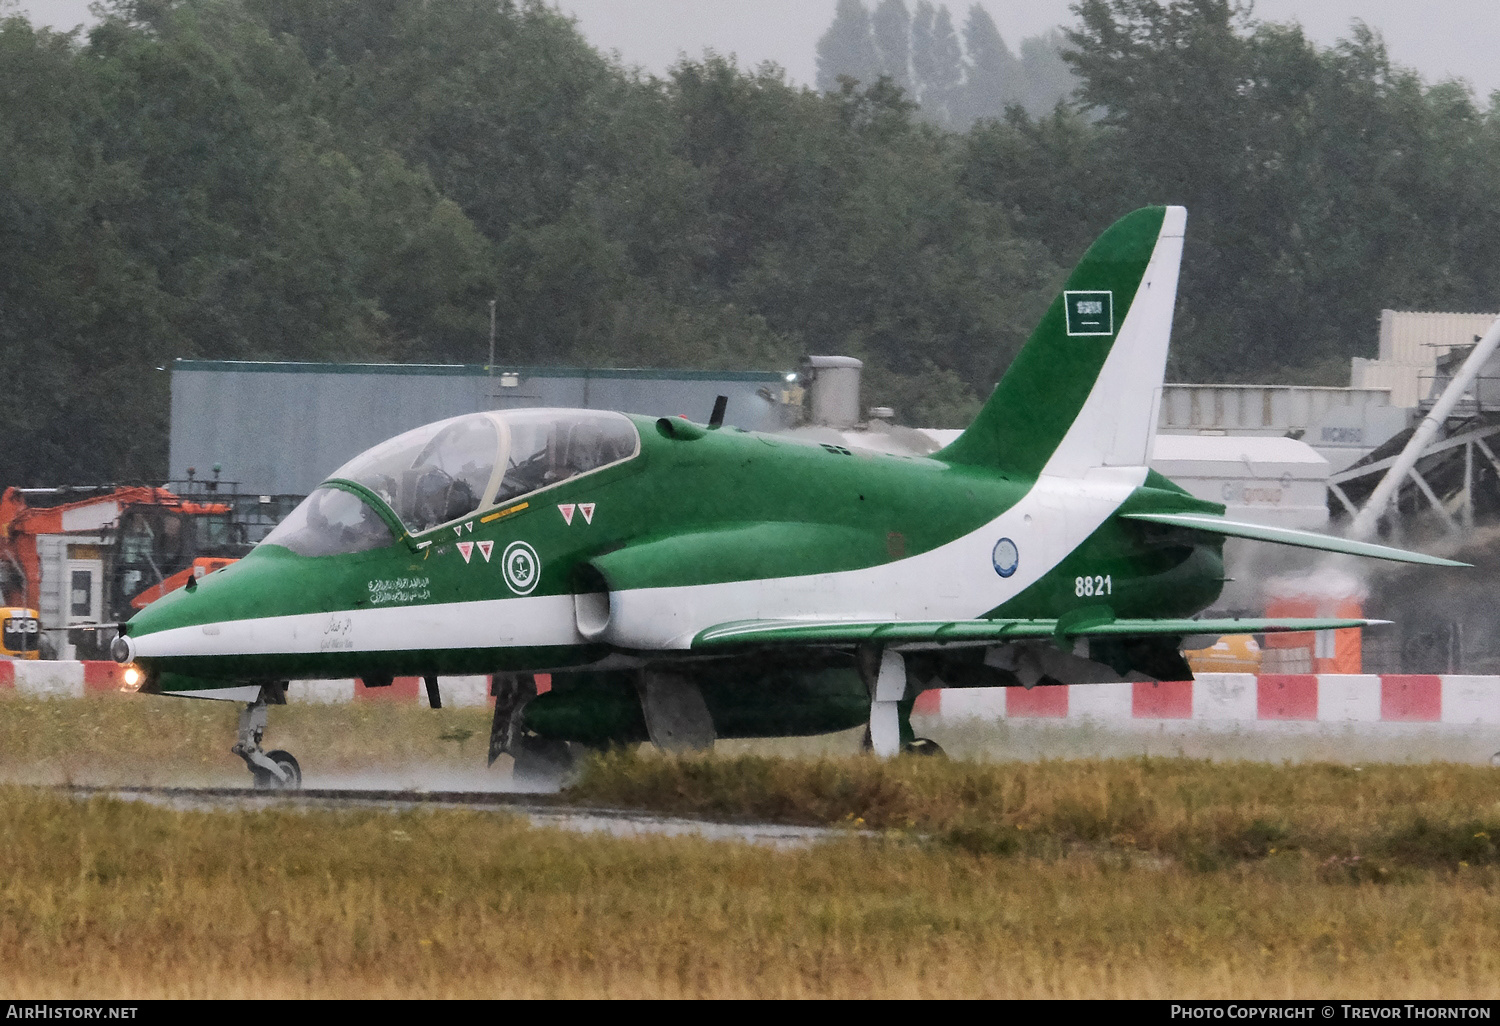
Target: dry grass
[[1140, 878], [142, 739], [112, 899], [1376, 822]]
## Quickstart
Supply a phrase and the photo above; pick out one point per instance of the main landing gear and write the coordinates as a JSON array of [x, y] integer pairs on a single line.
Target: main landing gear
[[890, 732], [275, 770], [539, 762]]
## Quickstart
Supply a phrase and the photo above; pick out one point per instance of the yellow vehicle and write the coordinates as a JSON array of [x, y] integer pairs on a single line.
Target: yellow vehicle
[[20, 633], [1233, 653]]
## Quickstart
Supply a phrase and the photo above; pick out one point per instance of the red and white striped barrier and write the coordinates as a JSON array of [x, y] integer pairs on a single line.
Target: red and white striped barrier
[[1214, 699], [1233, 699], [455, 691], [43, 679]]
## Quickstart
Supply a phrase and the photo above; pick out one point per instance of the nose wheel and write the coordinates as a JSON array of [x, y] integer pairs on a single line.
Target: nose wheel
[[270, 771], [292, 779]]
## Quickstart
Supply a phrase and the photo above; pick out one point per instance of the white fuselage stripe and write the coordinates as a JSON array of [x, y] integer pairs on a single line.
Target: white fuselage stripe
[[496, 623], [956, 581]]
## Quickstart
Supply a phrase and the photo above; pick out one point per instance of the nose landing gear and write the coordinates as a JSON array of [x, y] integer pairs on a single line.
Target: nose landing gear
[[275, 770]]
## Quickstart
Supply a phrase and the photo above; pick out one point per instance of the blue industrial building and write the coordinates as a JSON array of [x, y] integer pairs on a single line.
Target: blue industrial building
[[281, 428]]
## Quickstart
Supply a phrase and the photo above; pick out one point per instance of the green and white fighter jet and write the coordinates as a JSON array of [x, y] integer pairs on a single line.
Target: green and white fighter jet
[[683, 582]]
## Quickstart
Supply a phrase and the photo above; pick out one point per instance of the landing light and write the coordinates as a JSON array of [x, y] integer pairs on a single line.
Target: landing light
[[122, 650], [132, 678]]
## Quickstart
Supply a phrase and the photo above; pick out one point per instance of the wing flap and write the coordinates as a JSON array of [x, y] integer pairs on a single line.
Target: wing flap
[[963, 633], [1288, 536]]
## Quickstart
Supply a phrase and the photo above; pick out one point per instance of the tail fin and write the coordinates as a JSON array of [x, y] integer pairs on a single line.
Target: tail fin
[[1085, 389]]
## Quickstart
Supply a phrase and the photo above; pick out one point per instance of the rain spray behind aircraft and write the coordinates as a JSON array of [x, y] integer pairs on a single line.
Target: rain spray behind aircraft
[[684, 582]]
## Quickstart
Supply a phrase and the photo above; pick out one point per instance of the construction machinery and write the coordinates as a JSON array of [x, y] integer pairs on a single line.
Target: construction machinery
[[74, 561], [20, 633]]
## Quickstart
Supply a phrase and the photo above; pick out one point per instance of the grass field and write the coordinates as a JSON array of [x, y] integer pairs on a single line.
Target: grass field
[[143, 739], [1140, 877]]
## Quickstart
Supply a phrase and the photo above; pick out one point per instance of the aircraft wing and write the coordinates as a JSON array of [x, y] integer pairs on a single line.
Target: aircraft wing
[[1288, 536], [930, 633]]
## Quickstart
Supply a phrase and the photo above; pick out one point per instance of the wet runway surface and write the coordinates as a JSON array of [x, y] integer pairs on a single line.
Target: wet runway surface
[[540, 810]]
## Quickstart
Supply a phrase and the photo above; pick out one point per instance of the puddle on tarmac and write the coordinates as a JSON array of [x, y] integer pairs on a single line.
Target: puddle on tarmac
[[615, 822]]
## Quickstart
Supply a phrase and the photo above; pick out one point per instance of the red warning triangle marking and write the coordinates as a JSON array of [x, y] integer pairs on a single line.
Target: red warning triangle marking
[[470, 526], [466, 550], [458, 529], [587, 509], [566, 509], [485, 548]]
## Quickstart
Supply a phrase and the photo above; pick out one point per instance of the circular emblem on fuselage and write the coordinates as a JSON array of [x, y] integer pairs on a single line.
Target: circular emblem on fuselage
[[1006, 557], [521, 567]]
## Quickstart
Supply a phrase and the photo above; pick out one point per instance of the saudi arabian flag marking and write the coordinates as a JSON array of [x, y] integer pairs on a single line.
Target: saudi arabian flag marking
[[521, 567], [1090, 313]]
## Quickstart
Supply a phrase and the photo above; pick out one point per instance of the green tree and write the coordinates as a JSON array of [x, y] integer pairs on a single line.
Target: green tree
[[993, 78], [1049, 79], [77, 316], [1322, 184], [891, 24], [847, 49], [345, 179], [937, 62]]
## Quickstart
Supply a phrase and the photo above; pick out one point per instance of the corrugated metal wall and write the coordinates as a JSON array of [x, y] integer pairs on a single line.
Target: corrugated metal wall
[[1411, 342], [280, 428], [1420, 337], [1272, 409]]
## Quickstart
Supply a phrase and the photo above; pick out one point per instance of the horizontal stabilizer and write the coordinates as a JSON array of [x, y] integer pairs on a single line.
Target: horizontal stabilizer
[[1288, 536], [988, 632]]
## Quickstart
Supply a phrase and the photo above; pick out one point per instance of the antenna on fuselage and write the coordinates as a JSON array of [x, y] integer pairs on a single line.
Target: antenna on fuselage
[[720, 405]]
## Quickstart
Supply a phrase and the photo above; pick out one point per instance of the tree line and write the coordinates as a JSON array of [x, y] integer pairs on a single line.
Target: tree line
[[954, 80], [357, 179]]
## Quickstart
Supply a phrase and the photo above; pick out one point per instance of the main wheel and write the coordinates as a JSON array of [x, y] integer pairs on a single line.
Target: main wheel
[[266, 781], [925, 746], [542, 763]]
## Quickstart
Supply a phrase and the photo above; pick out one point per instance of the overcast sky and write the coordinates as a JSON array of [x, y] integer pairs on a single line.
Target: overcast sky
[[1445, 38]]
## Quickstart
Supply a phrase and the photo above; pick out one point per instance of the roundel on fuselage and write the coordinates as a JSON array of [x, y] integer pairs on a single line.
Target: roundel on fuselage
[[1006, 557], [522, 567]]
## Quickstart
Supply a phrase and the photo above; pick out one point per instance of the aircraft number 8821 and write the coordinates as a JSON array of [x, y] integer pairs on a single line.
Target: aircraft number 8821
[[1085, 587]]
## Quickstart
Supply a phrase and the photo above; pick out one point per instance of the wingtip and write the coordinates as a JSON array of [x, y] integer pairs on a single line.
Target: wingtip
[[1440, 561]]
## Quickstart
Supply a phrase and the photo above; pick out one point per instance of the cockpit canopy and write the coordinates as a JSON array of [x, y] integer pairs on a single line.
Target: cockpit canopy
[[445, 471]]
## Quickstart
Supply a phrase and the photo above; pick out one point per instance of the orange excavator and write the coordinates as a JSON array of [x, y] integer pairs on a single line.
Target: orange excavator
[[75, 560]]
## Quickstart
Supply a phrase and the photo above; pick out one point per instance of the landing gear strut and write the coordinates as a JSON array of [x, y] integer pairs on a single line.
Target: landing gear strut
[[512, 692], [275, 770], [890, 732], [539, 762]]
